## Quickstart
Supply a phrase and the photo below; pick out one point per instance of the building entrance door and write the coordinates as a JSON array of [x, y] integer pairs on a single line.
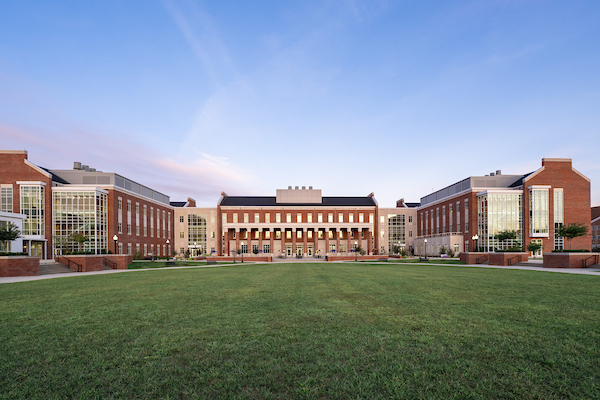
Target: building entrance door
[[311, 250], [539, 252], [299, 250], [288, 250]]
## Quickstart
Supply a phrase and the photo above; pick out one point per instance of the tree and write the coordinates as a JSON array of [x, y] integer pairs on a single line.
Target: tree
[[533, 247], [8, 233], [503, 236], [79, 238], [572, 231]]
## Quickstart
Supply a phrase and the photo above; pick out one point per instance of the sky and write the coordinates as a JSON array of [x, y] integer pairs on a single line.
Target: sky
[[399, 98]]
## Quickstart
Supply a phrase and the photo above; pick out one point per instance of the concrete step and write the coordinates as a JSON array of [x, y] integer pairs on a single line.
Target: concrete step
[[48, 268]]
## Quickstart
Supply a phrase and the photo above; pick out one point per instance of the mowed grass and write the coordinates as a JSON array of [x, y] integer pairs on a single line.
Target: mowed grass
[[322, 331]]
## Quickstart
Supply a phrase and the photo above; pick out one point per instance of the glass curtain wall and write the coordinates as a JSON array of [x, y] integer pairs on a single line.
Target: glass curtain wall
[[396, 232], [32, 205], [538, 212], [559, 218], [498, 212], [80, 212], [196, 234], [6, 199]]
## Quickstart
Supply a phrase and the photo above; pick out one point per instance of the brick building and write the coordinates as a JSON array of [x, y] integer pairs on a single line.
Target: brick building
[[470, 213], [101, 206], [296, 222]]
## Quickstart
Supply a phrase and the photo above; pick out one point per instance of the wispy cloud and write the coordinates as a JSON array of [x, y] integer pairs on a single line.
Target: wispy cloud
[[199, 175], [202, 36]]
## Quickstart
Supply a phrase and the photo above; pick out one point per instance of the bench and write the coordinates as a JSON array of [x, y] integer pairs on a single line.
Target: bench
[[211, 262], [423, 259], [382, 259]]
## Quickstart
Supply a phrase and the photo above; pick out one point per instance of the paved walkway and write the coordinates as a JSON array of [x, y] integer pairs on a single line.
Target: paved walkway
[[531, 266]]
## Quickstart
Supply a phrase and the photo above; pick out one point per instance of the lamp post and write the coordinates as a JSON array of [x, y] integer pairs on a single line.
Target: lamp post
[[475, 238], [355, 250], [425, 249], [168, 249], [115, 238]]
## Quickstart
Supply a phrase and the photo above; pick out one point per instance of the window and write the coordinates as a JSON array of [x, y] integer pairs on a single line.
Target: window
[[410, 218], [351, 217], [361, 217], [235, 218], [268, 218], [299, 218], [320, 217], [256, 218], [6, 199], [309, 218], [137, 230], [224, 217], [330, 234], [381, 219], [320, 235], [181, 218], [410, 234], [128, 206], [288, 234], [277, 217], [309, 234], [371, 218], [299, 234], [181, 235], [33, 205], [466, 215], [340, 217], [120, 227], [244, 248], [254, 249], [559, 218], [256, 234], [129, 229], [212, 235], [245, 218], [267, 234], [266, 248], [120, 204], [288, 217], [277, 234], [538, 212]]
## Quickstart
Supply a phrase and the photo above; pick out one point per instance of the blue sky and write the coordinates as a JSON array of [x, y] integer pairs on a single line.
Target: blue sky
[[394, 97]]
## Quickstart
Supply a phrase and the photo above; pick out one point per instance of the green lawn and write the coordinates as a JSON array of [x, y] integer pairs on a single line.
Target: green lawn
[[322, 331]]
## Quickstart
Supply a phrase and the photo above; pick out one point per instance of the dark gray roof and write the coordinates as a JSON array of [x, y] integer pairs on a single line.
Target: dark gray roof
[[247, 201], [411, 205], [519, 182], [178, 203], [55, 178]]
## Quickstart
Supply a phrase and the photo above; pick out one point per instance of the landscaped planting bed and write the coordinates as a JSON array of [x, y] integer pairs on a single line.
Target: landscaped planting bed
[[317, 330]]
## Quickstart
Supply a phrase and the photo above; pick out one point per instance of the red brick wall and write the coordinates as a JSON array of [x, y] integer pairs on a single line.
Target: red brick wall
[[570, 260], [473, 258], [13, 169], [19, 266], [503, 258], [124, 237], [576, 190]]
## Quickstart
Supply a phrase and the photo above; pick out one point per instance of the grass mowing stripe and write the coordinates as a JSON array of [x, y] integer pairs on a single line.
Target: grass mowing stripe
[[303, 331]]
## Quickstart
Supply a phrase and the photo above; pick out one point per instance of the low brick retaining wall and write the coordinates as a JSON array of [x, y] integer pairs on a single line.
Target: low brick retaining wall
[[473, 257], [359, 258], [239, 258], [19, 266], [95, 262], [570, 260], [507, 258]]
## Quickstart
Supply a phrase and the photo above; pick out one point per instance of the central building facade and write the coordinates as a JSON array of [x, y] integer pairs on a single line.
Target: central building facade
[[296, 222]]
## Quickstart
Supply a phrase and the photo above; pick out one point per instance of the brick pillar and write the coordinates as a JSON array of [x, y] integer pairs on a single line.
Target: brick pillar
[[282, 241], [305, 238], [326, 241], [293, 240], [260, 238], [349, 239], [337, 240], [237, 239], [225, 250], [369, 242], [316, 240], [271, 237]]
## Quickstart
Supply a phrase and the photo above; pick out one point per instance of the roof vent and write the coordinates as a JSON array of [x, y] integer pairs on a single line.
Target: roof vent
[[498, 172], [86, 168], [491, 174], [289, 188], [310, 188], [296, 188], [76, 165], [92, 169], [303, 187]]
